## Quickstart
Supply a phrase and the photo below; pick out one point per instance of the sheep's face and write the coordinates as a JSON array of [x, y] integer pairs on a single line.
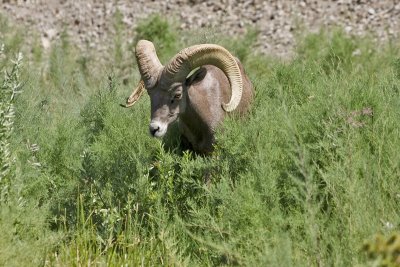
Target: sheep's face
[[166, 104]]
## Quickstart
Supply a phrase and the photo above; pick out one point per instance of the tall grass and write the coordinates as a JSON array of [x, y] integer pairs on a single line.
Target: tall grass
[[9, 88], [310, 174]]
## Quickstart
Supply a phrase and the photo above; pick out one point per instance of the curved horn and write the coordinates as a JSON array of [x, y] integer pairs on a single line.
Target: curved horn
[[149, 64], [207, 54], [136, 94]]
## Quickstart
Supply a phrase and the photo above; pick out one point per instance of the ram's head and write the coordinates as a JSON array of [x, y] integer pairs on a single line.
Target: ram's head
[[167, 85]]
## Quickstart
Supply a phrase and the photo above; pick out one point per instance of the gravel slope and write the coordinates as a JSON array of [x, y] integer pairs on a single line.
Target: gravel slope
[[91, 22]]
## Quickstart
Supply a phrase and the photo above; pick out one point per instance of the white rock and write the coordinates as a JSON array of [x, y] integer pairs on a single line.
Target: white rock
[[371, 11], [45, 43]]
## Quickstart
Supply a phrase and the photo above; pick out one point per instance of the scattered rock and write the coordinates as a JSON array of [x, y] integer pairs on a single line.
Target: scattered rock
[[276, 20]]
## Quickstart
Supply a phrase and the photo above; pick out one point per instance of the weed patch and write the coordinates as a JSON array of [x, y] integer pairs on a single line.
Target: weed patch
[[303, 180]]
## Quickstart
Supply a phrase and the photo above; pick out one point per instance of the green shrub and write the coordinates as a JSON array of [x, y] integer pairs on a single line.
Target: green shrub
[[10, 87], [161, 32], [302, 180]]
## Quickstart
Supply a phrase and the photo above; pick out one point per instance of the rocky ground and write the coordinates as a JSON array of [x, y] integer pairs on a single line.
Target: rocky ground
[[91, 22]]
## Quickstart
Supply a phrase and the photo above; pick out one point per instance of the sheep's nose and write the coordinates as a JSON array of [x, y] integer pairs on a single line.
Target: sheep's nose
[[154, 129], [157, 128]]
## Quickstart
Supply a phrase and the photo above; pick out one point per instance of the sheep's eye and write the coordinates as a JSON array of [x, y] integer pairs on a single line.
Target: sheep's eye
[[176, 97]]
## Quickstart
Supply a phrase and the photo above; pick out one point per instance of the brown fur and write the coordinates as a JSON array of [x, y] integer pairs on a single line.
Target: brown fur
[[197, 103], [204, 113]]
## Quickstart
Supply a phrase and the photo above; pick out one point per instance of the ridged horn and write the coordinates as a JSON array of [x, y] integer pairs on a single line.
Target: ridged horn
[[207, 54], [136, 94], [149, 64]]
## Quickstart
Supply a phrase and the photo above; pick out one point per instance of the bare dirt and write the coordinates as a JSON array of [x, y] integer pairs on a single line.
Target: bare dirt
[[90, 23]]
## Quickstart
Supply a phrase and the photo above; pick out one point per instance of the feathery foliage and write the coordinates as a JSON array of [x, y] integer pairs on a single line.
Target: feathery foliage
[[10, 86], [303, 180]]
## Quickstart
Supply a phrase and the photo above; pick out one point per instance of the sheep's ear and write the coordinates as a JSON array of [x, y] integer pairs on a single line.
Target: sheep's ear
[[196, 76], [136, 94]]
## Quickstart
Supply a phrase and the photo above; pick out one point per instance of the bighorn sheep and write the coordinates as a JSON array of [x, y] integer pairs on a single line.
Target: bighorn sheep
[[198, 101]]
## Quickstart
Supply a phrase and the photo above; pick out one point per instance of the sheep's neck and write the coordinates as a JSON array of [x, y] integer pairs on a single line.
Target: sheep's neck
[[195, 128]]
